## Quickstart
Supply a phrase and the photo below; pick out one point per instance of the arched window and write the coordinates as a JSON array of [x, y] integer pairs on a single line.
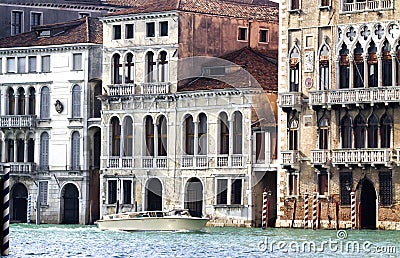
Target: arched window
[[372, 66], [358, 68], [162, 67], [344, 68], [11, 101], [129, 68], [346, 130], [372, 131], [75, 151], [32, 101], [189, 134], [21, 101], [294, 70], [324, 68], [128, 137], [117, 73], [96, 102], [224, 133], [150, 67], [386, 130], [149, 132], [359, 132], [115, 137], [237, 132], [386, 64], [162, 136], [202, 136], [31, 150], [44, 151], [20, 150], [76, 101], [45, 103], [293, 133], [323, 131]]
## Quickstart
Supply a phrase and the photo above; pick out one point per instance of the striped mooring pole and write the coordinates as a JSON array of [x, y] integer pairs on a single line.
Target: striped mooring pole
[[305, 210], [314, 218], [6, 211], [264, 210], [353, 209], [28, 210]]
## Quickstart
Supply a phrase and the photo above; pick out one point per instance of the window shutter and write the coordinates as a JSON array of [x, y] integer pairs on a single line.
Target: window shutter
[[45, 103], [76, 101], [43, 189], [75, 151], [44, 151]]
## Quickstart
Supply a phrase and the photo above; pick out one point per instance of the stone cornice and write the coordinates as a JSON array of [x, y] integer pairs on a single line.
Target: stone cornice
[[47, 49], [140, 16]]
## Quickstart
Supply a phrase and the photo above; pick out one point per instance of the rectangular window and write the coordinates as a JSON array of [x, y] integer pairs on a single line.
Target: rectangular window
[[77, 61], [16, 22], [43, 192], [325, 3], [36, 19], [385, 188], [21, 64], [292, 184], [236, 191], [222, 191], [346, 185], [260, 147], [323, 183], [294, 4], [263, 35], [242, 34], [129, 31], [127, 188], [112, 191], [11, 65], [32, 64], [163, 29], [117, 32], [45, 64], [150, 29]]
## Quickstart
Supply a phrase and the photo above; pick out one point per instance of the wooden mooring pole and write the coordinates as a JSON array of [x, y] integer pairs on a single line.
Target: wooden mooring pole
[[6, 211]]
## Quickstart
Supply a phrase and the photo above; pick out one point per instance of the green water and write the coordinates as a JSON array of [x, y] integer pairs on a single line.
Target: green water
[[88, 241]]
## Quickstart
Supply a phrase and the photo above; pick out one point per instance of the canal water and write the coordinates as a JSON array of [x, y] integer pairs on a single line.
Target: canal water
[[88, 241]]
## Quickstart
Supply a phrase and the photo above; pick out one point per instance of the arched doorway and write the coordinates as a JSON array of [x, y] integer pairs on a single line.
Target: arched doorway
[[70, 204], [19, 203], [368, 205], [154, 195], [194, 197]]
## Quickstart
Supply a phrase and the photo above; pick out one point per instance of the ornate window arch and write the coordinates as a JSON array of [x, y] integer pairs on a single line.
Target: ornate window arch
[[323, 133], [162, 66], [149, 136], [294, 69], [75, 151], [223, 133], [372, 131], [76, 101], [129, 68], [293, 131], [128, 137], [346, 131], [115, 137], [359, 131], [324, 67], [386, 124], [358, 67], [45, 103], [344, 68], [237, 132]]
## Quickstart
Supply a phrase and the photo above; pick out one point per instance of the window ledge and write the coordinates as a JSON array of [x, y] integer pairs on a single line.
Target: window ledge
[[228, 205], [75, 119], [328, 8], [44, 120], [293, 11]]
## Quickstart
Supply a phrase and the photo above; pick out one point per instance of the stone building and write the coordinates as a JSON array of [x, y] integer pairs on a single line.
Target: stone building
[[174, 138], [50, 120], [339, 98]]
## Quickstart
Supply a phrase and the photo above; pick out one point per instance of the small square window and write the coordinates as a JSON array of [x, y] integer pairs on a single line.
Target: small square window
[[36, 19], [309, 41], [163, 29], [263, 35], [242, 34], [117, 32], [325, 3], [129, 31], [150, 29], [77, 61]]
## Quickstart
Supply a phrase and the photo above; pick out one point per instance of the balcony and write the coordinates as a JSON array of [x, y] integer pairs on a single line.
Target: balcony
[[120, 162], [190, 161], [154, 162], [18, 121], [290, 159], [362, 157], [143, 88], [365, 6], [234, 160], [355, 96], [320, 158], [22, 168], [290, 100]]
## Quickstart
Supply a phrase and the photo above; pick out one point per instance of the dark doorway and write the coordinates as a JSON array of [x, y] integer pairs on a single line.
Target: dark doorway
[[368, 205], [71, 204], [154, 195], [19, 203], [194, 197]]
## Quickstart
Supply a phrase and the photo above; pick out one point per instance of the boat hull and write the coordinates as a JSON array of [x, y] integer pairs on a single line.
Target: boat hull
[[153, 224]]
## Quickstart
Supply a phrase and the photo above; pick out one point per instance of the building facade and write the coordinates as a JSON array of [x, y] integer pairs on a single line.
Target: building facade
[[50, 120], [338, 99], [174, 138]]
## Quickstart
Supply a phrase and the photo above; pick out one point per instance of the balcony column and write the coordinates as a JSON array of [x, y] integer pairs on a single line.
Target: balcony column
[[15, 103], [4, 101], [394, 70], [3, 148], [365, 58], [26, 150], [351, 72], [230, 152], [15, 149], [26, 103], [196, 142], [155, 154], [336, 80], [379, 70]]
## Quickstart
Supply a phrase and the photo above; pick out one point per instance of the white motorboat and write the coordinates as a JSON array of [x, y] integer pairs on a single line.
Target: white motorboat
[[174, 220]]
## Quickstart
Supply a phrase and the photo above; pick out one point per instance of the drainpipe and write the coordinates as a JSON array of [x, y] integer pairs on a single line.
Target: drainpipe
[[249, 173]]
